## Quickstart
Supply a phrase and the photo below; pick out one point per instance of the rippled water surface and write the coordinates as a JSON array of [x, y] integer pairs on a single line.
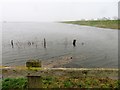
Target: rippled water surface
[[95, 47]]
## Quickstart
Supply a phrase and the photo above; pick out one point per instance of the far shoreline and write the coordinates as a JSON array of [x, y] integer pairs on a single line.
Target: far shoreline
[[108, 24]]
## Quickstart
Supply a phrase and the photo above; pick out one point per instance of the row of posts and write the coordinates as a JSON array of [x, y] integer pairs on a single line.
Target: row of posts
[[44, 43], [29, 43]]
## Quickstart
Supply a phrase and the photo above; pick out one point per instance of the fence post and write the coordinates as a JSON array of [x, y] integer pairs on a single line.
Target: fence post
[[33, 63], [34, 82]]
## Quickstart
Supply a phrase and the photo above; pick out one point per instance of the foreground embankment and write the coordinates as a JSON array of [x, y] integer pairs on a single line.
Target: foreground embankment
[[61, 77]]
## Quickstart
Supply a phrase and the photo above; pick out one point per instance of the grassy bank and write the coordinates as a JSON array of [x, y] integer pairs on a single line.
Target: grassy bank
[[113, 24], [63, 82], [62, 78]]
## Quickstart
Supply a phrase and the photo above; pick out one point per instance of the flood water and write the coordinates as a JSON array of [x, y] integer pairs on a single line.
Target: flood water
[[95, 47]]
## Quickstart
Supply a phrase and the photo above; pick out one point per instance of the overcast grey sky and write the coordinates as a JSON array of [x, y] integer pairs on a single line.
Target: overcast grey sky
[[56, 10]]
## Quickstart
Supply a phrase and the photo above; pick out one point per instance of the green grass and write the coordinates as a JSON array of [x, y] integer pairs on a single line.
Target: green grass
[[63, 82], [16, 83], [113, 24]]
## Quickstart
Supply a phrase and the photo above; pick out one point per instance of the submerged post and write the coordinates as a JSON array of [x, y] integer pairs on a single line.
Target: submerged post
[[74, 42], [12, 44], [44, 43]]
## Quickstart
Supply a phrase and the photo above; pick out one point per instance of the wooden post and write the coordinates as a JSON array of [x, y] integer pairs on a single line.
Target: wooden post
[[33, 63], [74, 42], [44, 43], [34, 82], [12, 44]]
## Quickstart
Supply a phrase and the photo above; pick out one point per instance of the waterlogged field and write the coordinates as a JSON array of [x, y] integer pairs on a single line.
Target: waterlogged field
[[95, 47]]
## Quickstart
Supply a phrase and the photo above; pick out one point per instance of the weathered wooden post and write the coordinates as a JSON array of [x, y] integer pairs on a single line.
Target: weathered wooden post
[[12, 44], [44, 43], [74, 42], [33, 63], [34, 80]]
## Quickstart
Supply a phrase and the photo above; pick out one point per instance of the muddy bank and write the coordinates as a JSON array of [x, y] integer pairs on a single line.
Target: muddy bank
[[68, 72], [58, 62], [58, 67]]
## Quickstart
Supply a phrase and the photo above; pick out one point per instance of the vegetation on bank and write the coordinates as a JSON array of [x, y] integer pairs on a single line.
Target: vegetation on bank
[[14, 83], [74, 82], [62, 82], [113, 24], [33, 77], [63, 79]]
